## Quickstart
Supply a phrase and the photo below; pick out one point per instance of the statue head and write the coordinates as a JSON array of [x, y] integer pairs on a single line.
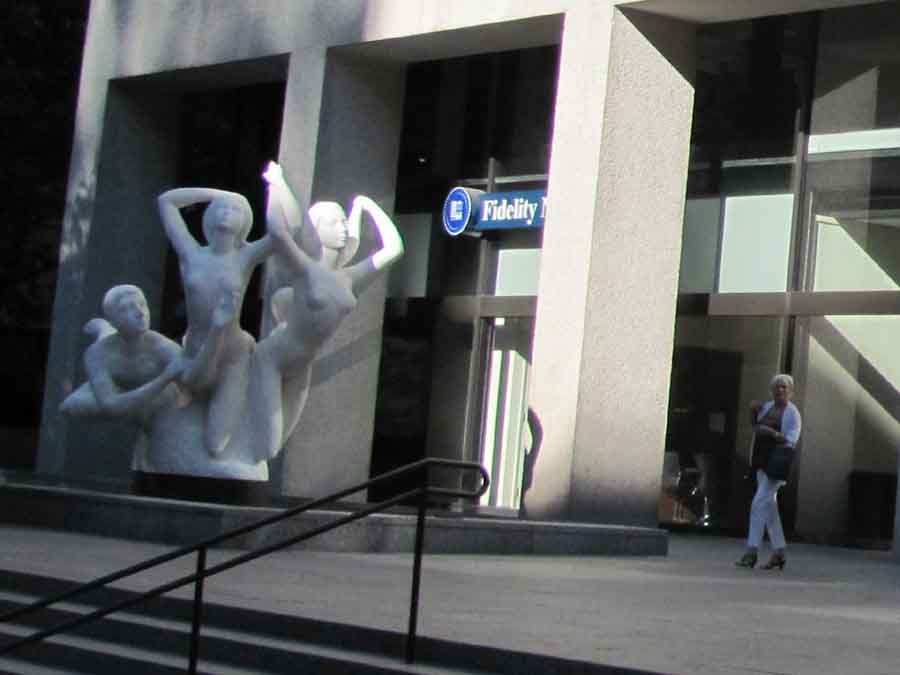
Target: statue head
[[231, 213], [330, 222], [125, 307]]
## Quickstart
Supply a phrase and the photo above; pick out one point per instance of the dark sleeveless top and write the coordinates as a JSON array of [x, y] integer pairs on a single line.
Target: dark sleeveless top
[[762, 447]]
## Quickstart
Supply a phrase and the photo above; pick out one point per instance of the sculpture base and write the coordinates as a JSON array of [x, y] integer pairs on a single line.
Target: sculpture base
[[200, 489]]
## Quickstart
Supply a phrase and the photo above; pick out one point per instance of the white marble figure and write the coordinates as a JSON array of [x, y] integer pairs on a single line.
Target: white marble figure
[[129, 366], [215, 278], [273, 381], [323, 291]]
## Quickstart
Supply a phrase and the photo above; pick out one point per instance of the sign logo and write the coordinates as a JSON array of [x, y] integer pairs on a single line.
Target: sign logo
[[458, 210]]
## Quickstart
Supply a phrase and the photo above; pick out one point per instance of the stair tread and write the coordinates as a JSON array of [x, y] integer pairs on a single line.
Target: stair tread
[[159, 660], [228, 629], [228, 637]]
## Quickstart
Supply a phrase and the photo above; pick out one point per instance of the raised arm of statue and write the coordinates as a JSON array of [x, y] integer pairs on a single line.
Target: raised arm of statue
[[362, 273], [221, 202], [391, 243], [280, 227], [354, 221], [282, 209], [171, 202]]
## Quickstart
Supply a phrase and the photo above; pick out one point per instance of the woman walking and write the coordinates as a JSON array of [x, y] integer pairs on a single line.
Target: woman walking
[[776, 428]]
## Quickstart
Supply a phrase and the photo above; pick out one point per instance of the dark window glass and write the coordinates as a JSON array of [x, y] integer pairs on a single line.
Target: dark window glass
[[228, 136], [751, 80], [752, 83], [460, 112]]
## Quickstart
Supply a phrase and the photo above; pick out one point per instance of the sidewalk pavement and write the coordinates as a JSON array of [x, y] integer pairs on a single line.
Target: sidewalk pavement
[[831, 611]]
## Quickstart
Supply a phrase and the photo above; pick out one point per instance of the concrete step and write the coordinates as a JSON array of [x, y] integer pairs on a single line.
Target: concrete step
[[178, 522], [133, 644], [154, 637], [76, 654]]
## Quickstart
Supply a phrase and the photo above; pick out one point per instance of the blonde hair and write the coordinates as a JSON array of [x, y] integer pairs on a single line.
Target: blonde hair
[[782, 378]]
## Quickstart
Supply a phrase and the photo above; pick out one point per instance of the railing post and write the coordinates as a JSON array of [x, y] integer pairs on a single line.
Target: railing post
[[198, 612], [417, 574]]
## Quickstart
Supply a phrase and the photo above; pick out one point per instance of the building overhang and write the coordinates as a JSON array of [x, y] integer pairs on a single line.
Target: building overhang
[[713, 11]]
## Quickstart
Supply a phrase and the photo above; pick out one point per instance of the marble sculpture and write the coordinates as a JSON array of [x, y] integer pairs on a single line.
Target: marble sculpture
[[222, 404]]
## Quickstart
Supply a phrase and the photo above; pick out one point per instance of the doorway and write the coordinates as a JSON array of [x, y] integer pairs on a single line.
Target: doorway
[[505, 435]]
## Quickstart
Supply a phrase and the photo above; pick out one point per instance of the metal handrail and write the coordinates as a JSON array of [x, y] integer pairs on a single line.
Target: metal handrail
[[420, 493]]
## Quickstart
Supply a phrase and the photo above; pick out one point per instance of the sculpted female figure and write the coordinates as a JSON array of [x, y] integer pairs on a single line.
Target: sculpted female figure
[[323, 290], [215, 278], [249, 396], [128, 366]]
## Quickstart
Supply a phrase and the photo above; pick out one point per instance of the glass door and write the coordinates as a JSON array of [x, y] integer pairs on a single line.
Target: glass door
[[505, 435]]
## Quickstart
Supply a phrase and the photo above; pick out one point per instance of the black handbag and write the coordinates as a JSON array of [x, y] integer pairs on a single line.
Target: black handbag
[[774, 459], [779, 463]]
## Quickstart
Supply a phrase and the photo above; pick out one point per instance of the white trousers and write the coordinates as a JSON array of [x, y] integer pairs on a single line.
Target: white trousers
[[764, 513]]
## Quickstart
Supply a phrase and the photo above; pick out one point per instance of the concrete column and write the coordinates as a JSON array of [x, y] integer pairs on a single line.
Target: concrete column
[[357, 149], [64, 355], [617, 183]]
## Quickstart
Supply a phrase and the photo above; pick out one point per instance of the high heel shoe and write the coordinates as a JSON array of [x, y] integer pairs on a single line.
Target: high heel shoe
[[747, 560], [777, 560]]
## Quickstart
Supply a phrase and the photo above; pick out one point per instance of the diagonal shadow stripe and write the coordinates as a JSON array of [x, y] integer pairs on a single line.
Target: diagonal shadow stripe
[[868, 375], [362, 348]]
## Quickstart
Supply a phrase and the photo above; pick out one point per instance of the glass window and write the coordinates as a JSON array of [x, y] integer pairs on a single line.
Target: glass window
[[517, 271], [752, 78], [720, 364], [408, 277], [850, 364], [460, 112], [740, 236], [851, 430], [857, 90], [736, 243], [756, 241], [505, 432], [854, 152], [846, 258], [700, 244]]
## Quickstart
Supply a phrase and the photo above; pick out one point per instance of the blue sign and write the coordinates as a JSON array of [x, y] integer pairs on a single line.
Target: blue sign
[[458, 210], [524, 209], [474, 210]]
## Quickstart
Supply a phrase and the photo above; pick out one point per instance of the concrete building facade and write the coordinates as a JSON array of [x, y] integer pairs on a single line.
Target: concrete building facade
[[678, 269]]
